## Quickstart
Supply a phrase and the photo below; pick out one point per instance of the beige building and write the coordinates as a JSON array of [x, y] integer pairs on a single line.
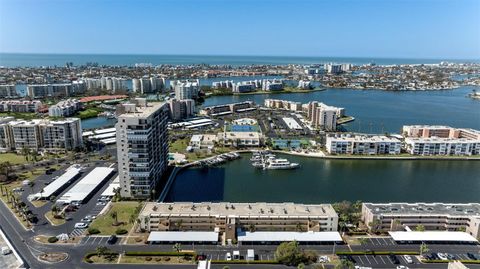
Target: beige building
[[322, 116], [228, 218], [433, 216], [142, 147]]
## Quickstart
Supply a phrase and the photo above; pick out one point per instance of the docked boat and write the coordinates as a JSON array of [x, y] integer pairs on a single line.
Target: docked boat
[[274, 164]]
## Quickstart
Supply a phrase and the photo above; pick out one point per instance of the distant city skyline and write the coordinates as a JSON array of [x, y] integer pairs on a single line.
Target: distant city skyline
[[442, 29]]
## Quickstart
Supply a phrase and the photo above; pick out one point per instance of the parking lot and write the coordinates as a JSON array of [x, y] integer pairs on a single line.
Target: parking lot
[[380, 260], [100, 240], [379, 241]]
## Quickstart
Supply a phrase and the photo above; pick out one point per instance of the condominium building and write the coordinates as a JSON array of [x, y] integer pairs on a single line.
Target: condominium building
[[228, 84], [186, 89], [322, 116], [41, 135], [441, 140], [228, 218], [304, 84], [8, 91], [272, 84], [362, 144], [228, 108], [22, 106], [333, 68], [65, 108], [241, 135], [283, 104], [55, 90], [246, 86], [142, 147], [181, 109], [432, 216]]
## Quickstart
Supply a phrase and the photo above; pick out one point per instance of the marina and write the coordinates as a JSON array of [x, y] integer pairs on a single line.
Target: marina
[[268, 161]]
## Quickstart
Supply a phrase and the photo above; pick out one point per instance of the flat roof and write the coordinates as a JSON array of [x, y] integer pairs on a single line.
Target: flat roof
[[58, 183], [432, 236], [106, 130], [289, 236], [183, 236], [109, 141], [292, 123], [85, 186], [109, 191], [103, 136], [423, 209]]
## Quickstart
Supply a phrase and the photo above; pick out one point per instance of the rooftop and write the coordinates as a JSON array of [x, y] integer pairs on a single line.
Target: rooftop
[[425, 208], [239, 209], [259, 236], [143, 111], [432, 236]]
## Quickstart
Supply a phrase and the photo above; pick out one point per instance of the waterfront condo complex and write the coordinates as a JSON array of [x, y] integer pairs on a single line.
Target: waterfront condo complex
[[431, 216], [142, 147]]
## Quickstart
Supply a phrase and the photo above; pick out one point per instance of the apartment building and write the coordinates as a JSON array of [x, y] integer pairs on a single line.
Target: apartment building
[[41, 135], [441, 140], [8, 91], [228, 218], [272, 84], [362, 144], [142, 146], [55, 90], [241, 135], [22, 106], [228, 108], [283, 104], [186, 89], [433, 216], [181, 109], [65, 108]]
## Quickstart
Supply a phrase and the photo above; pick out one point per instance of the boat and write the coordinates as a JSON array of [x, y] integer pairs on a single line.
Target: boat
[[258, 164], [274, 164]]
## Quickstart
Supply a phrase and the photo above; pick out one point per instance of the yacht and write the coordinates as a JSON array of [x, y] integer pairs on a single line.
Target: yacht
[[280, 164]]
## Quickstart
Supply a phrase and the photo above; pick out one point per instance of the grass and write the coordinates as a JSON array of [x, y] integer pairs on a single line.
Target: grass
[[20, 115], [156, 260], [102, 259], [13, 158], [39, 203], [104, 223], [53, 220], [89, 113]]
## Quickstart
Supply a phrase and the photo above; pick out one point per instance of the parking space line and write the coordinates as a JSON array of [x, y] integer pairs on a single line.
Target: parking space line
[[368, 260], [375, 259], [385, 241], [360, 258], [381, 258]]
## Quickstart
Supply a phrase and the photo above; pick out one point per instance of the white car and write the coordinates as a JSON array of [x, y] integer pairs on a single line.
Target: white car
[[402, 267], [408, 259], [6, 250], [81, 225], [442, 256], [228, 256]]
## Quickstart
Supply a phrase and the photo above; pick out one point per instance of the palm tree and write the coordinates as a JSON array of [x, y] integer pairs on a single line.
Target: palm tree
[[423, 248], [54, 210], [177, 247], [114, 216], [5, 168], [31, 184], [420, 228]]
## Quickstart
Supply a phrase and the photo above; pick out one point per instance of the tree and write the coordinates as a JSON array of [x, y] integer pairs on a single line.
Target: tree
[[102, 250], [5, 169], [375, 226], [251, 228], [31, 184], [132, 219], [55, 210], [420, 228], [289, 253], [114, 216], [423, 248], [345, 264], [362, 240], [177, 247]]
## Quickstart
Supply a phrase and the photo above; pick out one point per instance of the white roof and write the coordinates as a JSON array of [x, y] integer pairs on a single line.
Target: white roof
[[183, 236], [107, 130], [109, 141], [289, 236], [58, 183], [87, 133], [85, 186], [200, 121], [102, 136], [429, 236], [109, 190]]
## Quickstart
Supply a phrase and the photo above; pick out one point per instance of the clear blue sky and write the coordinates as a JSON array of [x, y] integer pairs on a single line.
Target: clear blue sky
[[368, 28]]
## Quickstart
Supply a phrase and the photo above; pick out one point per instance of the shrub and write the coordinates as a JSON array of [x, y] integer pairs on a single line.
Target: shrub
[[121, 231], [158, 253], [148, 258], [52, 239], [93, 231]]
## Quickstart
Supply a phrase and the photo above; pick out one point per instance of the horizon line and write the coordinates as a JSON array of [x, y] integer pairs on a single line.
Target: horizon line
[[241, 55]]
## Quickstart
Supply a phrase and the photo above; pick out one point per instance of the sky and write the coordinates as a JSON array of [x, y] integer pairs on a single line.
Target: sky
[[343, 28]]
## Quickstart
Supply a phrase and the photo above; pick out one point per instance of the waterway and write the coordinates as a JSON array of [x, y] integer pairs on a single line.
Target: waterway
[[326, 181], [378, 111], [98, 123]]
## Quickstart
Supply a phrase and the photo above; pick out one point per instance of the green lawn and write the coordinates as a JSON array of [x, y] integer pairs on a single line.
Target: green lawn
[[89, 113], [124, 210], [19, 115], [179, 145], [13, 158]]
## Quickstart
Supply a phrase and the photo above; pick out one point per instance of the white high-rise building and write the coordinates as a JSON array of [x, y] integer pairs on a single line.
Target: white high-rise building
[[136, 87], [8, 91], [181, 109], [187, 89], [142, 147], [323, 116]]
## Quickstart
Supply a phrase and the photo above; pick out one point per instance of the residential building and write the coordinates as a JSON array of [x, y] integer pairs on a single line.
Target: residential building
[[244, 86], [272, 84], [8, 91], [283, 104], [22, 106], [142, 147], [441, 140], [432, 216], [324, 117], [186, 89], [229, 218], [228, 84], [202, 141], [241, 135], [333, 68], [228, 108], [136, 87], [181, 109], [65, 108], [50, 90], [362, 144], [305, 84], [41, 135]]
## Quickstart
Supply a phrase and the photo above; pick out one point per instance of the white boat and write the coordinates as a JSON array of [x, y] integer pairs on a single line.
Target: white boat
[[258, 164], [275, 164]]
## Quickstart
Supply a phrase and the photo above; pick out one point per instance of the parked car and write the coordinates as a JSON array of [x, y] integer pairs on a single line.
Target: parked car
[[451, 256], [112, 239], [100, 204], [408, 259], [442, 256], [473, 256], [228, 256], [86, 220], [81, 225], [393, 259], [402, 267]]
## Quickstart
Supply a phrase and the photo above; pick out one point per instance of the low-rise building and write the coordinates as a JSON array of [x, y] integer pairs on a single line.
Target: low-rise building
[[203, 141], [283, 104], [272, 84], [228, 108], [22, 106], [243, 135], [228, 218], [432, 216], [362, 144], [441, 140], [65, 108]]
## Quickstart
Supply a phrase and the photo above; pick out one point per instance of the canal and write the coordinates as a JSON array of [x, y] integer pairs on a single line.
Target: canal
[[326, 181]]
